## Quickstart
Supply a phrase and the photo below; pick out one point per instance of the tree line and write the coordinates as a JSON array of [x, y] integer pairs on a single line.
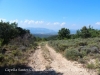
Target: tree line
[[9, 31], [84, 32]]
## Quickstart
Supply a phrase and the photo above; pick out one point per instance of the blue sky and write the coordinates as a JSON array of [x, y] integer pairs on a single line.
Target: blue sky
[[51, 14]]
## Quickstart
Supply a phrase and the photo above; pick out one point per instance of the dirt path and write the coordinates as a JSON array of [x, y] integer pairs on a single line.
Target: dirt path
[[38, 62], [57, 62]]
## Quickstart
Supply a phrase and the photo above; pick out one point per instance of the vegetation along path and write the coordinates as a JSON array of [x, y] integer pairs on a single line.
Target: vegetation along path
[[52, 60]]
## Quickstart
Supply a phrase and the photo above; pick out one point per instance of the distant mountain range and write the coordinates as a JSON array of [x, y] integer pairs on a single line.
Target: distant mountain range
[[44, 32], [73, 31]]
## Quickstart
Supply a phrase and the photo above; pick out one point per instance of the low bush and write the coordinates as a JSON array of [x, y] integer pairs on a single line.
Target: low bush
[[81, 60], [90, 66], [1, 42], [62, 47], [83, 53], [97, 63], [72, 54], [96, 56], [98, 71], [1, 57], [82, 43]]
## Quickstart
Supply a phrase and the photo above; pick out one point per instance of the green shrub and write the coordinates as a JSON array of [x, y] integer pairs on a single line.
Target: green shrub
[[62, 47], [87, 58], [97, 63], [82, 43], [96, 56], [91, 65], [81, 60], [72, 54], [1, 42], [1, 57], [16, 52], [98, 71], [83, 53]]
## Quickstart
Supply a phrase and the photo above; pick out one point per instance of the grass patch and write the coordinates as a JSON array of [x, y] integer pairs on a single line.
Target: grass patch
[[91, 66], [72, 54]]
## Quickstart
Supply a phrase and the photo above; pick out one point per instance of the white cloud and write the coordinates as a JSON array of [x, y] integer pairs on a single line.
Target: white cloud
[[26, 21], [16, 20], [48, 23], [2, 19], [56, 23], [31, 22], [62, 24], [98, 23], [39, 22], [21, 21]]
